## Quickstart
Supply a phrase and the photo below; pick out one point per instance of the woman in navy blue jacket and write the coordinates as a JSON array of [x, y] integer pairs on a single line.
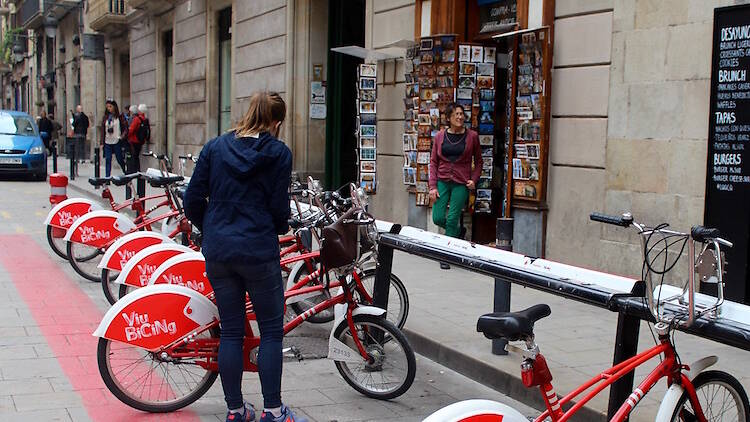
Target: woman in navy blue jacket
[[238, 198]]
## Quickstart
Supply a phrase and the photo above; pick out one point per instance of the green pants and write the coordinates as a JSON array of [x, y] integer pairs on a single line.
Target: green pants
[[456, 195]]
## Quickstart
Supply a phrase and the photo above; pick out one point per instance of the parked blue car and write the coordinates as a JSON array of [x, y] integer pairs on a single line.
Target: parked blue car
[[21, 148]]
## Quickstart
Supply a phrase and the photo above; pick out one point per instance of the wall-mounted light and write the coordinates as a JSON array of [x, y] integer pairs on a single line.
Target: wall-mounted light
[[50, 26]]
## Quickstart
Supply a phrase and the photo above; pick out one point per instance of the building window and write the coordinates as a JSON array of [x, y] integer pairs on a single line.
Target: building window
[[225, 70]]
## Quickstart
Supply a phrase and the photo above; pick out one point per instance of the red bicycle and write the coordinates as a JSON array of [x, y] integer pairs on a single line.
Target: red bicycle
[[94, 232], [694, 394], [158, 346]]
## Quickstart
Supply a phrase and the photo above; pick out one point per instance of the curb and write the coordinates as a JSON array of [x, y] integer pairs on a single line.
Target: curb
[[484, 373]]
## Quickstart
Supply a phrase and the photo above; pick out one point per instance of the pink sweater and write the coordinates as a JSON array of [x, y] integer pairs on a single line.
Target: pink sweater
[[459, 171]]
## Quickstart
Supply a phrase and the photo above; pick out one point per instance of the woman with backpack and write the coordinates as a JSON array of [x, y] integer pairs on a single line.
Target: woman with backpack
[[114, 131], [138, 134]]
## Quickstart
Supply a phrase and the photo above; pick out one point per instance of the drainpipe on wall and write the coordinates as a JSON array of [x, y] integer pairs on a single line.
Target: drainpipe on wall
[[289, 75]]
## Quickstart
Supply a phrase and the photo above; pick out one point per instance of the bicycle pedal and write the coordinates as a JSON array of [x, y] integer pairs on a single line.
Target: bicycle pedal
[[292, 352]]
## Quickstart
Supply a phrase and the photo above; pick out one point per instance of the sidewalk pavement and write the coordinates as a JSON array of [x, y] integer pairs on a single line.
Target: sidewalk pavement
[[577, 339]]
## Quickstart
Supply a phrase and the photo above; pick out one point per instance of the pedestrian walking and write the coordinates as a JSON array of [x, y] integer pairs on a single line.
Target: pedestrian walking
[[130, 112], [55, 134], [139, 133], [80, 122], [451, 171], [114, 132], [45, 129], [238, 198]]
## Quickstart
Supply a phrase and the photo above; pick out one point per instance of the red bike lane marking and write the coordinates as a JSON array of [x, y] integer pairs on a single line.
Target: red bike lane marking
[[66, 317]]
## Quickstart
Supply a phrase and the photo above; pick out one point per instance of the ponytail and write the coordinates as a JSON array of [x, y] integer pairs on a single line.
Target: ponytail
[[265, 109]]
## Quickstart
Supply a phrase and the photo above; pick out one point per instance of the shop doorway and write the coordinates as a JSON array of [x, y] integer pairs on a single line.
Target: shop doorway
[[346, 26]]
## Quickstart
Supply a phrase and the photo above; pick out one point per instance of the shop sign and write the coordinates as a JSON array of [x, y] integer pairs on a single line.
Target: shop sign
[[496, 16], [728, 174]]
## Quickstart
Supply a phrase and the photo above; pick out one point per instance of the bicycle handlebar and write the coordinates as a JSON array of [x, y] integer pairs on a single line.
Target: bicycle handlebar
[[624, 220]]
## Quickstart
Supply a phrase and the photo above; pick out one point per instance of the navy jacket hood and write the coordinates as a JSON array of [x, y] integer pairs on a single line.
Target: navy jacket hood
[[246, 156]]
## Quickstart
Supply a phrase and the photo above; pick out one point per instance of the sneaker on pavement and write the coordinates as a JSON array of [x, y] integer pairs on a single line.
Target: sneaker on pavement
[[286, 416], [248, 415]]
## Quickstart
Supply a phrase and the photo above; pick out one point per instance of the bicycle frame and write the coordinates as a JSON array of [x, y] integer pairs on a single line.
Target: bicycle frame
[[668, 368], [208, 348]]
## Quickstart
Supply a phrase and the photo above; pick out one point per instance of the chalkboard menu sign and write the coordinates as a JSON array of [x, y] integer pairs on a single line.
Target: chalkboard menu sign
[[728, 173]]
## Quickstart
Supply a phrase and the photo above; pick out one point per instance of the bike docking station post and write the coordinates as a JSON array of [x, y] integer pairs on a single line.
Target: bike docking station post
[[614, 293], [383, 272], [70, 151], [53, 150], [97, 163], [504, 241]]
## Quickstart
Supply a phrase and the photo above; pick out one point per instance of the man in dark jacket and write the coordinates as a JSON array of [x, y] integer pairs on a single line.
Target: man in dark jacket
[[45, 129], [80, 122]]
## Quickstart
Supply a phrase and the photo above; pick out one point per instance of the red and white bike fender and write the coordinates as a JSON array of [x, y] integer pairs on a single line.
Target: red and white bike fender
[[339, 351], [120, 252], [98, 228], [186, 269], [139, 268], [674, 392], [64, 214], [155, 316], [477, 411]]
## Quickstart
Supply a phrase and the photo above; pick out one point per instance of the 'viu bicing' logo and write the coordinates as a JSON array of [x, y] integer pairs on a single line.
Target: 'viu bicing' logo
[[177, 279], [67, 218], [139, 326], [145, 271], [89, 234], [125, 256]]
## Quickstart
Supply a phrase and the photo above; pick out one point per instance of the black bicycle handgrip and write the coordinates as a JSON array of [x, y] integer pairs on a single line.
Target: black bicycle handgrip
[[610, 219], [704, 234]]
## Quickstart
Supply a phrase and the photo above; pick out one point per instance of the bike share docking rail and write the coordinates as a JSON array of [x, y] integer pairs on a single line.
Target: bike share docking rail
[[618, 294]]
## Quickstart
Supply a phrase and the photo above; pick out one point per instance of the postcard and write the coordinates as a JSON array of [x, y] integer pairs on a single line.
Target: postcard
[[368, 95], [517, 169], [449, 56], [521, 151], [486, 117], [468, 69], [466, 82], [485, 194], [487, 105], [487, 151], [425, 44], [476, 53], [486, 128], [423, 157], [486, 94], [367, 130], [410, 175], [368, 70], [367, 153], [484, 183], [423, 119], [367, 182], [533, 150], [367, 107], [489, 54], [485, 140], [485, 82], [434, 118], [367, 83], [464, 53], [485, 69], [367, 166], [368, 142], [367, 119]]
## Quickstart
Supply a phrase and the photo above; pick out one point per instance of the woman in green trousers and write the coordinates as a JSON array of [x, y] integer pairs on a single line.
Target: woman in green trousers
[[451, 172]]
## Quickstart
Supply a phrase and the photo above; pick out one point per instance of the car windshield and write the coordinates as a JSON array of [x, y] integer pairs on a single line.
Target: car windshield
[[16, 125]]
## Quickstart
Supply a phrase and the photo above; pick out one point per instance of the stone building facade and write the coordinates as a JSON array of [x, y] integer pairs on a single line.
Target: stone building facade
[[629, 100]]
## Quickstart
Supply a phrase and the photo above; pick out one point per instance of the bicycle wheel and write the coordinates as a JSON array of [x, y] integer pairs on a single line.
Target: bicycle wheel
[[56, 243], [84, 260], [110, 288], [390, 371], [145, 382], [315, 298], [124, 289], [720, 395], [398, 299]]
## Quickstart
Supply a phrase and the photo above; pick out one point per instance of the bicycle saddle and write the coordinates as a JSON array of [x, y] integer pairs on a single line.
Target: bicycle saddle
[[161, 181], [99, 181], [512, 325], [123, 180]]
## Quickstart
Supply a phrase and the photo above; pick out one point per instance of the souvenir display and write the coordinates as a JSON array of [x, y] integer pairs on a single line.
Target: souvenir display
[[529, 119], [476, 92], [431, 75], [367, 126]]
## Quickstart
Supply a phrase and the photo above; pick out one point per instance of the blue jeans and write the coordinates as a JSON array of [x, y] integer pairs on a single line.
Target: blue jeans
[[263, 283], [108, 150]]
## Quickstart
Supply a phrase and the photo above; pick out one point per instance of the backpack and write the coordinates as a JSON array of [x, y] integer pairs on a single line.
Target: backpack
[[143, 132]]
